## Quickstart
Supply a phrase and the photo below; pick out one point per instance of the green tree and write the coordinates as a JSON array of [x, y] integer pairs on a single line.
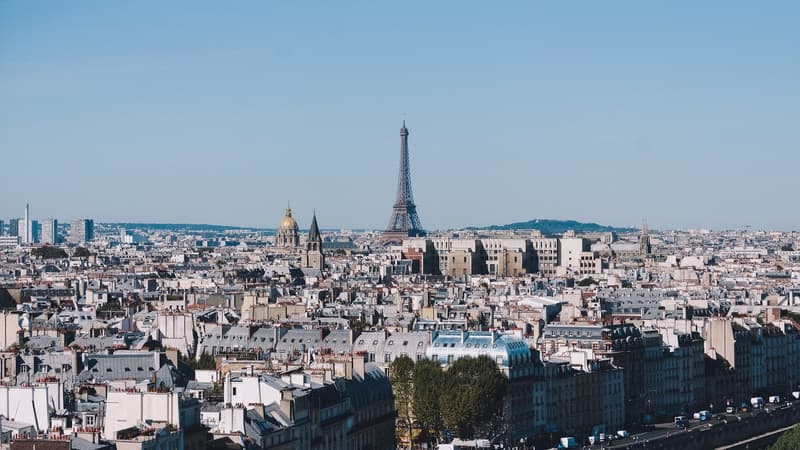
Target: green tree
[[471, 400], [206, 362], [789, 440], [81, 252], [401, 375], [428, 377], [49, 252]]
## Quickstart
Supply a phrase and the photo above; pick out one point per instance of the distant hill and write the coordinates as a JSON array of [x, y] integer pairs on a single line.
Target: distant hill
[[552, 226]]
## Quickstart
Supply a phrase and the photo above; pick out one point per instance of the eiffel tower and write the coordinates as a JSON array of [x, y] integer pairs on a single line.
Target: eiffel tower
[[404, 221]]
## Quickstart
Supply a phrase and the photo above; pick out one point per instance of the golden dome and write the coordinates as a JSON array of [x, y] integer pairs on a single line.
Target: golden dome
[[288, 223]]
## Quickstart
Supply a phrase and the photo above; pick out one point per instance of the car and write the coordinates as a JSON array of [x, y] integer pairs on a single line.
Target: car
[[682, 424], [720, 416], [730, 410]]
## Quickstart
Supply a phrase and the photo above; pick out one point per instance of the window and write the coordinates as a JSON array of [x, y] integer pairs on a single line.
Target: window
[[391, 342], [405, 343], [419, 344], [234, 390], [90, 421]]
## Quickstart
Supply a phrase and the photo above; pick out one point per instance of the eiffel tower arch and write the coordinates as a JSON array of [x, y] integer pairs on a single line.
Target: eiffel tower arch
[[404, 221]]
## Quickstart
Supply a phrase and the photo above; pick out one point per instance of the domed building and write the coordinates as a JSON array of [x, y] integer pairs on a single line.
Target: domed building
[[288, 236]]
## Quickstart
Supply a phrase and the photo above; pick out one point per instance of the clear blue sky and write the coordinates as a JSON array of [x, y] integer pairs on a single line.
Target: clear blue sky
[[687, 113]]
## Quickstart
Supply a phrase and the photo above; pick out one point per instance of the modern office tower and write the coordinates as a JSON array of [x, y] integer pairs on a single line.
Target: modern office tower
[[24, 228], [13, 227], [49, 231], [81, 231], [36, 232], [2, 228]]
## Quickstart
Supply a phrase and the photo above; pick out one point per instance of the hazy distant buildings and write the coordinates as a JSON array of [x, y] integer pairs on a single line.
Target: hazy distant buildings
[[24, 229], [81, 231], [8, 241], [13, 227], [49, 234], [36, 231]]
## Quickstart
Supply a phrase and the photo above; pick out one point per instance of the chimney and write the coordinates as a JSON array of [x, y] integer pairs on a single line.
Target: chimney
[[286, 403], [359, 365], [172, 355], [348, 369]]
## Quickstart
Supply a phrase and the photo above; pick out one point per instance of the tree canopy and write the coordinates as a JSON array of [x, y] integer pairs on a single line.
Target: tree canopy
[[401, 375], [49, 252], [425, 398], [81, 252], [472, 400], [789, 441], [206, 362]]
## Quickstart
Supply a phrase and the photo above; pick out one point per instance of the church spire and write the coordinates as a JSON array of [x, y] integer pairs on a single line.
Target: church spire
[[313, 232], [645, 248]]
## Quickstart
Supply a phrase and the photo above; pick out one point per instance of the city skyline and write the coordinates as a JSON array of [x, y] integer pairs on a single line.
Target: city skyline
[[595, 114]]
